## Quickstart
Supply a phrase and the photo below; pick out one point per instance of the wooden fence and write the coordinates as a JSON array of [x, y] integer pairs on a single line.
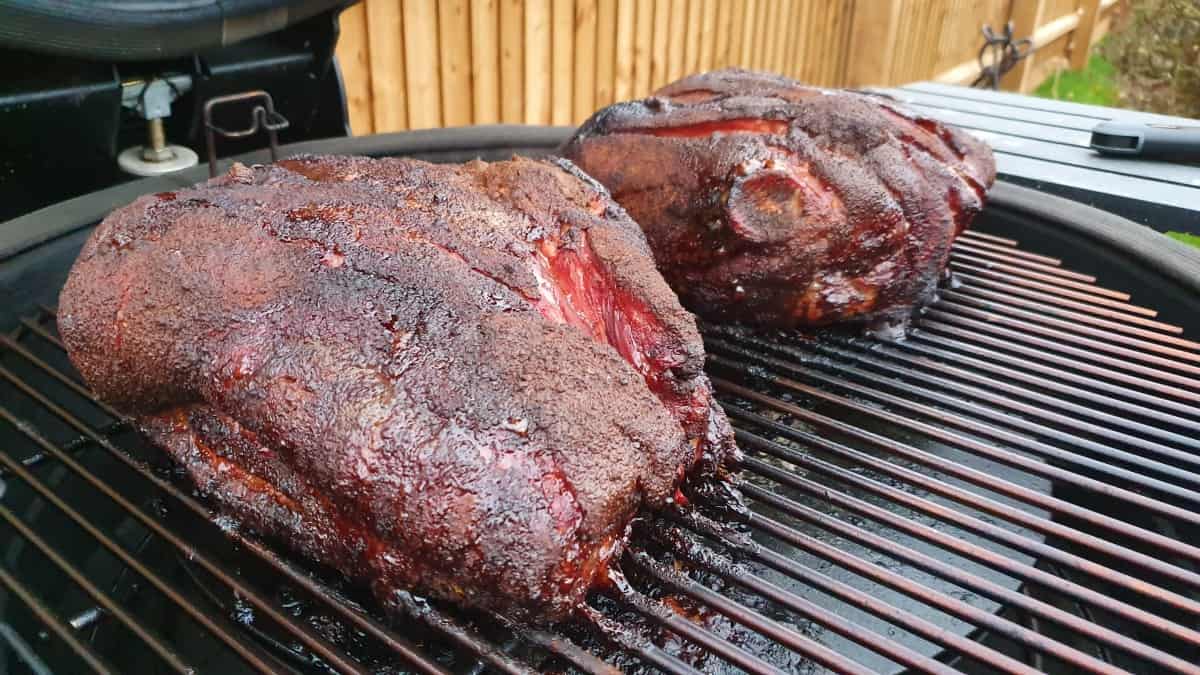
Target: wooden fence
[[412, 64]]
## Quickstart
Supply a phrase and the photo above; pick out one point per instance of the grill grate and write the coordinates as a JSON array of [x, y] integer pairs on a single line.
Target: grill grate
[[1011, 489]]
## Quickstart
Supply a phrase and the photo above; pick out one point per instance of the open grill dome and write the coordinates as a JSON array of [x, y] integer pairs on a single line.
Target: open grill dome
[[1014, 488]]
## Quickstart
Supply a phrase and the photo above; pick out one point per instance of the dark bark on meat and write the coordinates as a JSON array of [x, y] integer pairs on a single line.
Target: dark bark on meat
[[459, 380], [773, 203]]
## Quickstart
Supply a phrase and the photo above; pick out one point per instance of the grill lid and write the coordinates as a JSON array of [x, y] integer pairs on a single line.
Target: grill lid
[[1013, 488]]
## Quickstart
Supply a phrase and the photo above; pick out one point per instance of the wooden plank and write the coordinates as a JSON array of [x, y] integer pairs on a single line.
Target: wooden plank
[[746, 45], [1027, 15], [1081, 38], [709, 38], [512, 61], [758, 48], [724, 34], [606, 51], [692, 41], [626, 44], [643, 48], [873, 36], [562, 61], [677, 34], [661, 42], [737, 21], [769, 35], [421, 68], [485, 60], [353, 55], [454, 42], [385, 28], [584, 98], [537, 61], [803, 36]]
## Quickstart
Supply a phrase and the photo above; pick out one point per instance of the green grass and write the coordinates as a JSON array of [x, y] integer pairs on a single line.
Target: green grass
[[1189, 239], [1096, 84]]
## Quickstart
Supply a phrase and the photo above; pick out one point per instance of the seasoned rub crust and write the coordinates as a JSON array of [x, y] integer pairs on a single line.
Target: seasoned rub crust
[[461, 380]]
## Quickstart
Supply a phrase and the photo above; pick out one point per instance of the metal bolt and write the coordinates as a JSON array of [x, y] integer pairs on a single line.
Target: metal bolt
[[156, 149]]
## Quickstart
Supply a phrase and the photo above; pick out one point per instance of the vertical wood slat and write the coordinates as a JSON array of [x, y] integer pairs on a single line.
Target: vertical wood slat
[[584, 94], [606, 50], [512, 61], [429, 63], [643, 47], [485, 60], [694, 42], [385, 42], [454, 57], [562, 60], [353, 52], [747, 40], [626, 41], [1026, 16], [708, 36], [537, 61], [421, 70], [676, 49], [660, 43]]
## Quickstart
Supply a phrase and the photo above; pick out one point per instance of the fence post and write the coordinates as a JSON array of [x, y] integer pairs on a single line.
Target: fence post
[[1081, 38], [1026, 16], [872, 42]]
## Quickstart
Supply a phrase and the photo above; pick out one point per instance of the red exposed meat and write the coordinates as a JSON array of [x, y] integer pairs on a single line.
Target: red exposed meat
[[778, 204], [429, 377]]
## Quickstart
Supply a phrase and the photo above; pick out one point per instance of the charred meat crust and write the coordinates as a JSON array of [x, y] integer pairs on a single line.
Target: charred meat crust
[[429, 377], [774, 203]]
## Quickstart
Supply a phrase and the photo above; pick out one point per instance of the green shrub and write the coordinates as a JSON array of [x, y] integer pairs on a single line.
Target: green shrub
[[1157, 57]]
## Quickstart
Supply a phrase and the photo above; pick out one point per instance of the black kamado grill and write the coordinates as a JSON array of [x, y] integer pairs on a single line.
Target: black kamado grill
[[1014, 488]]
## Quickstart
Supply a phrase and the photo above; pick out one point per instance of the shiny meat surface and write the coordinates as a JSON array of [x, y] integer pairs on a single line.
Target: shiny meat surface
[[458, 380], [773, 203]]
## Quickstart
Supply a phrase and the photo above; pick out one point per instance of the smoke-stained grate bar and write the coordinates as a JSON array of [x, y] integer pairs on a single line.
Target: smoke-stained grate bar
[[1014, 488]]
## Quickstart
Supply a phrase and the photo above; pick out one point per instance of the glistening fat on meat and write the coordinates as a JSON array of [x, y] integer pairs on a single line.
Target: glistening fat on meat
[[457, 380]]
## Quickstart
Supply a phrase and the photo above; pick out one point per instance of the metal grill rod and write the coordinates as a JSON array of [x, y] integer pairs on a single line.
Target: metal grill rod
[[744, 546], [959, 546], [1073, 322], [975, 234], [1110, 309], [681, 626], [972, 244], [935, 329], [642, 648], [979, 255], [249, 655], [976, 525], [976, 501], [971, 499], [98, 596], [1004, 280], [968, 424], [56, 626], [947, 604], [972, 291], [709, 560], [1144, 406], [1057, 345], [1031, 411], [787, 637], [965, 580], [1048, 281], [1075, 335], [300, 632], [448, 627]]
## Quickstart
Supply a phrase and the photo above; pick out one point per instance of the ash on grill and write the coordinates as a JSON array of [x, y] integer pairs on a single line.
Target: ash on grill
[[1013, 488]]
